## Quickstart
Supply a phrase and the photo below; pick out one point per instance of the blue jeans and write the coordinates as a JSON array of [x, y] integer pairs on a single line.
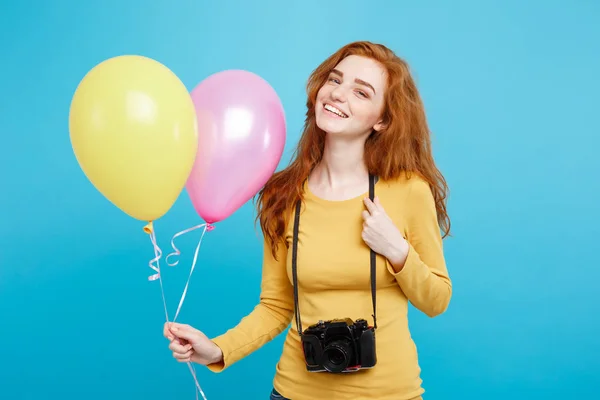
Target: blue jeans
[[275, 395]]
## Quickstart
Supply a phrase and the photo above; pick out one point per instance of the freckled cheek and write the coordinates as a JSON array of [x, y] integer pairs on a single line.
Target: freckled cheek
[[322, 93], [365, 115]]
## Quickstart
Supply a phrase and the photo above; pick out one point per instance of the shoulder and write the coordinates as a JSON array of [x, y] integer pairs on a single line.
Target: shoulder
[[408, 187], [409, 198]]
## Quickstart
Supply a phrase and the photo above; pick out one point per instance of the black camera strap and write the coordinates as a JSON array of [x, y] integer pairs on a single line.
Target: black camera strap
[[295, 266]]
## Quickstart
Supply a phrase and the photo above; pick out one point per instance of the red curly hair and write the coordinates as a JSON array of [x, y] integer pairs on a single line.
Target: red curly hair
[[404, 146]]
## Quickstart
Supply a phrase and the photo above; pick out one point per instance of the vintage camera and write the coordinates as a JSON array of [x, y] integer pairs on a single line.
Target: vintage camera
[[339, 345]]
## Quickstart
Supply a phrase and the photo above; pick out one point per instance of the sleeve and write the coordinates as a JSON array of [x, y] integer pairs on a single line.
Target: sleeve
[[424, 277], [268, 319]]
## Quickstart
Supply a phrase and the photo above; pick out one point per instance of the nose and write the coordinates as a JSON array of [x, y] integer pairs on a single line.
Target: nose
[[338, 93]]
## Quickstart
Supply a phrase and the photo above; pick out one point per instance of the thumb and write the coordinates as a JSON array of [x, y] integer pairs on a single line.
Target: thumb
[[185, 332]]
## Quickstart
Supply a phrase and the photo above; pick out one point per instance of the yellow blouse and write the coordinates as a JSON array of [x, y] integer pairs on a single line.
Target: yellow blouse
[[334, 282]]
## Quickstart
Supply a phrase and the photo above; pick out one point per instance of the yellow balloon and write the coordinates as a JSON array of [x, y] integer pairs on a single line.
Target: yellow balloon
[[134, 132]]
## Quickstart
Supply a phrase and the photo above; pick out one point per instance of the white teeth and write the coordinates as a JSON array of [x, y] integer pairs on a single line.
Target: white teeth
[[334, 110]]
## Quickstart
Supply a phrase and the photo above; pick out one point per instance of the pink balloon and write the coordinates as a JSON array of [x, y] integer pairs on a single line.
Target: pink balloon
[[241, 136]]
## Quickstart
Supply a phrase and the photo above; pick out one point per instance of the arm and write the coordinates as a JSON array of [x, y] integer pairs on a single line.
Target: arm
[[268, 319], [422, 273]]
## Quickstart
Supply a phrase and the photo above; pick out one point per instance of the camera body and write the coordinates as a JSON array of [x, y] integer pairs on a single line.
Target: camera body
[[339, 345]]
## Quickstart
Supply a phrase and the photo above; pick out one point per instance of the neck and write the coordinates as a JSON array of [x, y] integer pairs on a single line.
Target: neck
[[342, 163]]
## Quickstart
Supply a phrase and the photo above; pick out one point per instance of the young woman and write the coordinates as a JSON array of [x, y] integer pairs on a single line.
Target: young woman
[[363, 186]]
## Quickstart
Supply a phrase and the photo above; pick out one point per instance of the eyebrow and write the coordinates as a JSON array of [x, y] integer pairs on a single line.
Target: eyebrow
[[360, 81]]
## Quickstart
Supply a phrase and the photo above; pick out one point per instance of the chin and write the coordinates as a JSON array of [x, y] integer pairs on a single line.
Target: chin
[[330, 125]]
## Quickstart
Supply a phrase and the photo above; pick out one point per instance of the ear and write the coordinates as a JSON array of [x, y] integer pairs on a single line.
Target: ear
[[379, 126]]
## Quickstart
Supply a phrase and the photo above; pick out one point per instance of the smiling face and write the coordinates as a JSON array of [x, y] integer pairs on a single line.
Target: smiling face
[[351, 101]]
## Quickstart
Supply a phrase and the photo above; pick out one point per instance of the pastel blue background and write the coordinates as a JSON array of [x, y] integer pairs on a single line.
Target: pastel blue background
[[511, 90]]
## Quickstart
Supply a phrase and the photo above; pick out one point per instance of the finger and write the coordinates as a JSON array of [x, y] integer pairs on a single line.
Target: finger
[[166, 332], [365, 215], [185, 332], [184, 356], [176, 328], [370, 205], [178, 347], [183, 359], [181, 341], [365, 236]]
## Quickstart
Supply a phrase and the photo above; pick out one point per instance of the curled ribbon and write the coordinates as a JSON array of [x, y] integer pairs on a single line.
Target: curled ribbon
[[155, 266], [157, 252], [149, 229], [176, 252]]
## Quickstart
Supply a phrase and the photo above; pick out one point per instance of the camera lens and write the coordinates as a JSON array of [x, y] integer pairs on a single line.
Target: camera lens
[[336, 356]]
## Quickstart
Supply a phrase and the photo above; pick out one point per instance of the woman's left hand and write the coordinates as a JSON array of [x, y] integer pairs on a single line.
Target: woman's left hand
[[381, 234]]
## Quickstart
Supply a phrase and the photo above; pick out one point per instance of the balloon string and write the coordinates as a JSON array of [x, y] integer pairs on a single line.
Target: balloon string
[[207, 227], [157, 276], [198, 388]]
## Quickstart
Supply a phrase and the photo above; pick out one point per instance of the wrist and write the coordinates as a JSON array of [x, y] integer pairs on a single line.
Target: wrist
[[398, 254], [218, 355]]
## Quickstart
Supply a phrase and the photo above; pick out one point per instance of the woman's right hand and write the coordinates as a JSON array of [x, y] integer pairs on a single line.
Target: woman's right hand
[[188, 344]]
